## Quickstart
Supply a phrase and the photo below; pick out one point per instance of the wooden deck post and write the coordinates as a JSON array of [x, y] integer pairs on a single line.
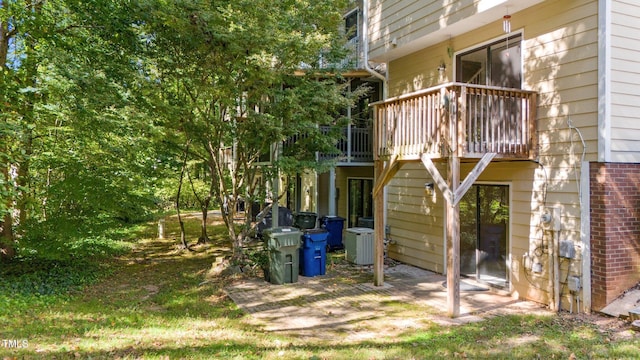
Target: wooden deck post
[[449, 121], [378, 216], [453, 241], [378, 203], [456, 126], [453, 191]]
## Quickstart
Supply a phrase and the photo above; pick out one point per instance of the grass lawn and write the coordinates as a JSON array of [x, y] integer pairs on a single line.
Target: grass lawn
[[154, 301]]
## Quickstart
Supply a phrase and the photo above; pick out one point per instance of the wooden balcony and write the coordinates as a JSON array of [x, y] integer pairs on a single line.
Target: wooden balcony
[[457, 119], [354, 146]]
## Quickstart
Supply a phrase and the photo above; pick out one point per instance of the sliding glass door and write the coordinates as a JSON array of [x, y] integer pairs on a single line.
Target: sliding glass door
[[360, 202], [484, 221]]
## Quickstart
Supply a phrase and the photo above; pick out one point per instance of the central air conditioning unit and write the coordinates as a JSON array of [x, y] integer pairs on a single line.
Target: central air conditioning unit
[[358, 245]]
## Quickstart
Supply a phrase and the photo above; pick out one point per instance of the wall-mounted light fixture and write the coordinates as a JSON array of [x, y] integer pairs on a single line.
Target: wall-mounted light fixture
[[441, 68], [428, 188]]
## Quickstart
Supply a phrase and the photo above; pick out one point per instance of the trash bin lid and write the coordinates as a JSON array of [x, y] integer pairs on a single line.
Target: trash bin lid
[[314, 231], [332, 218], [282, 237], [360, 230], [315, 236], [281, 229]]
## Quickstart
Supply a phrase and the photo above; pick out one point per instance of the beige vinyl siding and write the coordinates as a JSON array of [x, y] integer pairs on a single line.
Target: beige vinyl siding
[[415, 219], [419, 70], [625, 84], [560, 61], [424, 17]]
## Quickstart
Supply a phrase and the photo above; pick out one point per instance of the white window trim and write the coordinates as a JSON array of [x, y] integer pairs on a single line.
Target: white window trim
[[491, 41]]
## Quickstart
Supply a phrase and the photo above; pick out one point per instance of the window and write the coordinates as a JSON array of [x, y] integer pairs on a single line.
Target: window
[[495, 64], [351, 25], [360, 202], [484, 228], [361, 112]]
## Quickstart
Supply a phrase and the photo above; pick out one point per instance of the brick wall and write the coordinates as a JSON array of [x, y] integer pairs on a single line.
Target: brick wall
[[615, 230]]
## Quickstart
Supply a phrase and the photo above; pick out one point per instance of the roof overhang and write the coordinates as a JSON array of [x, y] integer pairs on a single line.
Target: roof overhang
[[488, 11]]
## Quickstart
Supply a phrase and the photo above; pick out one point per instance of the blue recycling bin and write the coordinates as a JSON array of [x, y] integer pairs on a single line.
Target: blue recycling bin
[[313, 253], [334, 225]]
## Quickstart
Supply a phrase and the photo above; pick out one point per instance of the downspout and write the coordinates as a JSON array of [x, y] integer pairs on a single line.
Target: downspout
[[365, 49], [556, 271], [383, 78], [585, 234], [379, 200]]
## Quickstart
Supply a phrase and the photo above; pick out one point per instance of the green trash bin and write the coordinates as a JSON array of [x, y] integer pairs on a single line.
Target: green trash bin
[[282, 244], [305, 220]]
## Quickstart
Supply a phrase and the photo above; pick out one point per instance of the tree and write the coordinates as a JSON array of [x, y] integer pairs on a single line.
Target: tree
[[74, 142], [18, 67], [226, 74]]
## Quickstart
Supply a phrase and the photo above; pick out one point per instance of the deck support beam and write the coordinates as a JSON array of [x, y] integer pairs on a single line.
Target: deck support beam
[[378, 224], [382, 175], [453, 192], [386, 173], [453, 241]]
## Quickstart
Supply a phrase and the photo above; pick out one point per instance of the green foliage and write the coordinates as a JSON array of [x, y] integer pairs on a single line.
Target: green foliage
[[24, 277], [99, 99], [28, 283], [73, 129], [53, 262], [65, 239], [258, 257], [59, 256], [225, 79]]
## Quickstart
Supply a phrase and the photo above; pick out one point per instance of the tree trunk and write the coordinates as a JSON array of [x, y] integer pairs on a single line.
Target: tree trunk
[[15, 172], [5, 35], [23, 180], [7, 240], [204, 238], [183, 236]]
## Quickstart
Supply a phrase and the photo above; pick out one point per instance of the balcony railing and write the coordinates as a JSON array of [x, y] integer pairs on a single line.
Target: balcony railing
[[456, 118], [355, 146]]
